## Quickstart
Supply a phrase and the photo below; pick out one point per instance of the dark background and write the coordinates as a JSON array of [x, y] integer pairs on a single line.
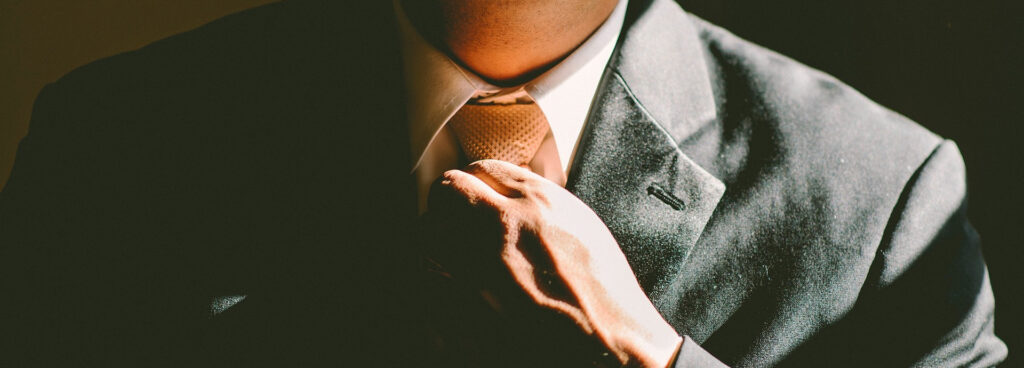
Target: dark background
[[953, 66]]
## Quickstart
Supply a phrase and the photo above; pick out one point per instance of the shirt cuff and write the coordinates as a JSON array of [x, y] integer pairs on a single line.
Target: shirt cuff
[[692, 355]]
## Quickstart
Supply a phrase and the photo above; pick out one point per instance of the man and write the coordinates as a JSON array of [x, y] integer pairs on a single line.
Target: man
[[241, 195]]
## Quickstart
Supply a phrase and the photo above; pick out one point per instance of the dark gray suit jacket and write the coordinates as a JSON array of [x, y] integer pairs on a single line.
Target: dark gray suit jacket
[[772, 214]]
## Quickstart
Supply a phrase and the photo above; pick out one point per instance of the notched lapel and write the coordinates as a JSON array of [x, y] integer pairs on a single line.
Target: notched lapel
[[661, 58], [628, 167], [654, 199]]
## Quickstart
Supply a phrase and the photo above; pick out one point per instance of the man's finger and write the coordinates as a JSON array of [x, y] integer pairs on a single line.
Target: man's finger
[[472, 188], [504, 177]]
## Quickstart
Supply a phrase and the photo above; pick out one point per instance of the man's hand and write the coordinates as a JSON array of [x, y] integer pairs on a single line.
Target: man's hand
[[564, 259]]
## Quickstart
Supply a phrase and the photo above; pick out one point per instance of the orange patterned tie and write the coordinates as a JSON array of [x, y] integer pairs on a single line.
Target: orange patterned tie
[[509, 132]]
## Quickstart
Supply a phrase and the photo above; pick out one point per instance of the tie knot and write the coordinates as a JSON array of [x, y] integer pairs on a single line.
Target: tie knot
[[511, 133]]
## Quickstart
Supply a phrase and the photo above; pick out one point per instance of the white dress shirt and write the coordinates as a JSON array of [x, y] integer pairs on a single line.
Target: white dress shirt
[[437, 87]]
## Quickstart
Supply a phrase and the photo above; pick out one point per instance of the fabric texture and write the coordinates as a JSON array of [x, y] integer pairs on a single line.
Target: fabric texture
[[506, 132], [773, 215]]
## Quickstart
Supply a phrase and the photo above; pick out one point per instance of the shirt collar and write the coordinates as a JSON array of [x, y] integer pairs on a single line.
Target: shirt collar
[[436, 86]]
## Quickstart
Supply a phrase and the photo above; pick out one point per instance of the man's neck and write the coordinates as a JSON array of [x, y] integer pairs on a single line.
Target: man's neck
[[507, 42]]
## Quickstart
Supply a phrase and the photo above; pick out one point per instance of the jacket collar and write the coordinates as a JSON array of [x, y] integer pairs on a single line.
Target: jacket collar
[[629, 168]]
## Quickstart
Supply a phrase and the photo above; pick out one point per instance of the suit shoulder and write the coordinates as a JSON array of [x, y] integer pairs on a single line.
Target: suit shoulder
[[226, 68], [819, 129], [219, 38], [812, 115], [244, 46]]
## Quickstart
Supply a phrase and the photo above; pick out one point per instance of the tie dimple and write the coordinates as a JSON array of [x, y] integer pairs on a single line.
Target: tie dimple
[[511, 133]]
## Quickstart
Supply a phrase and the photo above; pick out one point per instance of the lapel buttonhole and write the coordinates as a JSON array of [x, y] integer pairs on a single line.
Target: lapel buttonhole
[[666, 196]]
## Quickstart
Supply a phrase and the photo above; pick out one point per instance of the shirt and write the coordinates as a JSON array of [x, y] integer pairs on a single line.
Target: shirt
[[437, 87]]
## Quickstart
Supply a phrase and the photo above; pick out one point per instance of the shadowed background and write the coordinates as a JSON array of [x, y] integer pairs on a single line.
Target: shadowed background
[[953, 66]]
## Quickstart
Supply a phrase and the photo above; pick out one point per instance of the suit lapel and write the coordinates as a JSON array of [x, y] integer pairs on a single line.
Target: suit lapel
[[628, 167]]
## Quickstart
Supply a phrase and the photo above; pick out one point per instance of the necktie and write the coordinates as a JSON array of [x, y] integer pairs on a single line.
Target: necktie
[[507, 132]]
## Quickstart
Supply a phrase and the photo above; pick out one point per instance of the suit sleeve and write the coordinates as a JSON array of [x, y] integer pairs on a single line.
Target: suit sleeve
[[55, 304], [926, 300], [35, 216], [928, 295], [67, 242]]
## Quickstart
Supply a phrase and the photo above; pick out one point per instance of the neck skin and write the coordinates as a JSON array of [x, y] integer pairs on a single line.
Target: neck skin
[[507, 42]]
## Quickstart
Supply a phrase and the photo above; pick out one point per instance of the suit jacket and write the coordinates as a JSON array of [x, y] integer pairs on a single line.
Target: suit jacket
[[239, 195]]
